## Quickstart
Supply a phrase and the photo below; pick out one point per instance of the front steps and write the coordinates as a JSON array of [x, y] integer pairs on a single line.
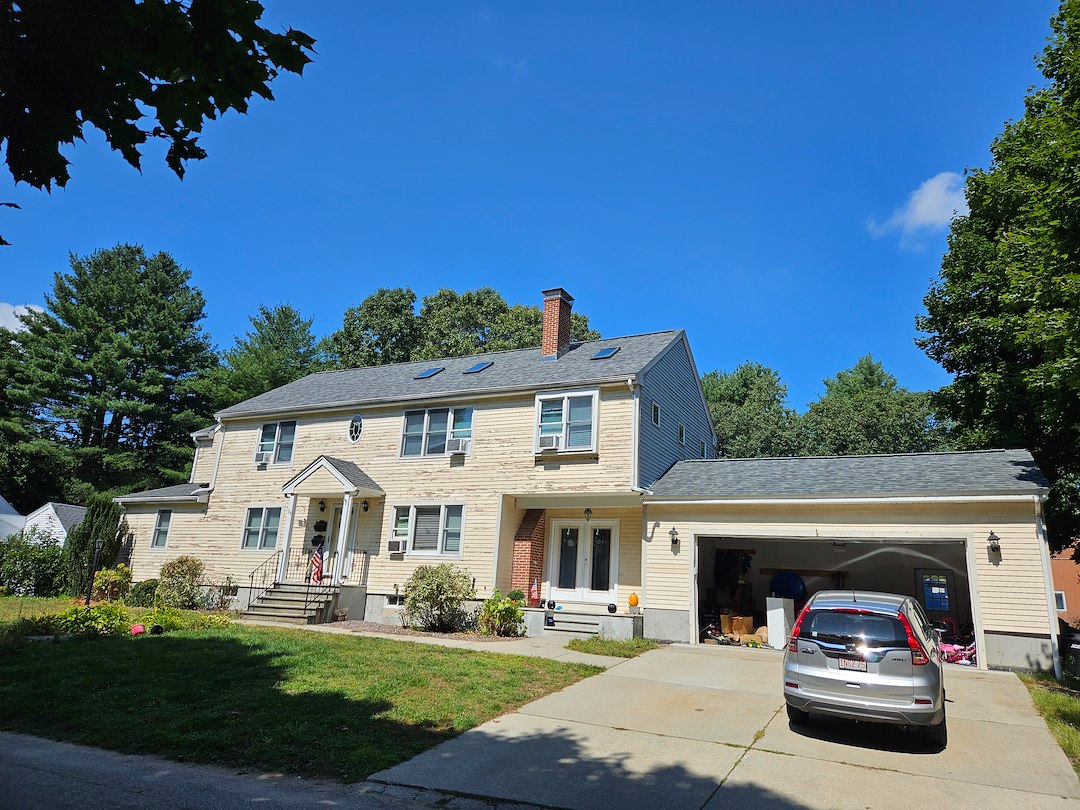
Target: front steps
[[294, 604], [573, 624]]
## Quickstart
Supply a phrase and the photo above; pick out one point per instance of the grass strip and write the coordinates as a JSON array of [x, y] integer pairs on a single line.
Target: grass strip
[[620, 648]]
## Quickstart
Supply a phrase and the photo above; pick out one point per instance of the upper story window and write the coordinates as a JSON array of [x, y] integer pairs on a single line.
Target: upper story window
[[428, 529], [276, 443], [566, 422], [425, 433], [656, 413], [356, 427], [703, 455], [682, 435], [160, 537]]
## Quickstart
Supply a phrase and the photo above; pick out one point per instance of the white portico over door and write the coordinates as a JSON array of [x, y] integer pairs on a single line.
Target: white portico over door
[[584, 560]]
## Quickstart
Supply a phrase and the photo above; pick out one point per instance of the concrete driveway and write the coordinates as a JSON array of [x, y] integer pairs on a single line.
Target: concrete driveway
[[705, 727]]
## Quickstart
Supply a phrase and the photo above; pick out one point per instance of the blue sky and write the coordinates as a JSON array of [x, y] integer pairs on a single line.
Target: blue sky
[[773, 178]]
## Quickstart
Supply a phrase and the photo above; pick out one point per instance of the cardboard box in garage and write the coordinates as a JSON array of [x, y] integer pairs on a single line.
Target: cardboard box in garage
[[742, 625]]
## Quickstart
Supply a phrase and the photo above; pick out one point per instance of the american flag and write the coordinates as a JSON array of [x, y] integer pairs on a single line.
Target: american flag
[[316, 564]]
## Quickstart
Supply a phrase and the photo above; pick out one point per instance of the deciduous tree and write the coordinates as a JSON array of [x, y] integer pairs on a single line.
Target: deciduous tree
[[748, 410], [1004, 316]]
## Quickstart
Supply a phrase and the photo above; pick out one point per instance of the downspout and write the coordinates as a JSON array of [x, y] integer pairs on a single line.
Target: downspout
[[217, 458], [635, 430], [1048, 582]]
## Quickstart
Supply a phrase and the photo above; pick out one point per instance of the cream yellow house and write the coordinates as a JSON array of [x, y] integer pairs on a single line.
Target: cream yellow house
[[583, 474]]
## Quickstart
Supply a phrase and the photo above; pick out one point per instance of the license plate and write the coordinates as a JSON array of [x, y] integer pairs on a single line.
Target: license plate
[[858, 666]]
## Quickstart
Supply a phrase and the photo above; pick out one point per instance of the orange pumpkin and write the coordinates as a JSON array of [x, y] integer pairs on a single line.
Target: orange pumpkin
[[633, 600]]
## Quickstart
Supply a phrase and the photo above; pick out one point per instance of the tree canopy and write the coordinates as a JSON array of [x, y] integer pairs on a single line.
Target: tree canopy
[[1004, 316], [386, 328], [101, 380], [280, 348], [748, 410]]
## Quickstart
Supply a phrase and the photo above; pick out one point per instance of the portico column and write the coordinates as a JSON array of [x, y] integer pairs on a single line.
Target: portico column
[[343, 533], [290, 519]]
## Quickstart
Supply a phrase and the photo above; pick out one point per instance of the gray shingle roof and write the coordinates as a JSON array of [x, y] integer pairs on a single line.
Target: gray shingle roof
[[356, 476], [990, 472], [68, 514], [173, 493], [519, 369]]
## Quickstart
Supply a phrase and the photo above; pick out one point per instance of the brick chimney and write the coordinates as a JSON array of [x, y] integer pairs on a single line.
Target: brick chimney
[[556, 335]]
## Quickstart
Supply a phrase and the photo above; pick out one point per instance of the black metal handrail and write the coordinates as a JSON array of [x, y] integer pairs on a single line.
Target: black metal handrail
[[321, 591], [263, 577]]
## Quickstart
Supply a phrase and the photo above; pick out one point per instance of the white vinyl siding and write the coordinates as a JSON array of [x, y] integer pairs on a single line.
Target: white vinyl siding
[[424, 433], [160, 538], [571, 417], [276, 441], [261, 527], [429, 529]]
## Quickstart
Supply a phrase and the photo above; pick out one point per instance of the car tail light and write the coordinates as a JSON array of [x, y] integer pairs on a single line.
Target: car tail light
[[793, 641], [918, 654]]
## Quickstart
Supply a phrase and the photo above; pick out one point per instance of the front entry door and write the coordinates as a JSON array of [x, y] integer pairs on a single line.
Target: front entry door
[[584, 561]]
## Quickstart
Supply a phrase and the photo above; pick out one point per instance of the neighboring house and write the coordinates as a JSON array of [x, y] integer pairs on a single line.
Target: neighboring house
[[11, 522], [1066, 586], [587, 469], [56, 520]]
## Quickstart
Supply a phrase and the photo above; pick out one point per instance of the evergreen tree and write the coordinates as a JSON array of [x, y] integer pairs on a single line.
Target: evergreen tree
[[280, 348]]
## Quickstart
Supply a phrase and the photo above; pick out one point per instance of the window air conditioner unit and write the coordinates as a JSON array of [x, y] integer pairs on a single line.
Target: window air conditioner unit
[[457, 447], [550, 442], [397, 546], [262, 458]]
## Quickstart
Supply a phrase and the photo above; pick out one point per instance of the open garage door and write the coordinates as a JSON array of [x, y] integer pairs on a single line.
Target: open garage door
[[737, 574]]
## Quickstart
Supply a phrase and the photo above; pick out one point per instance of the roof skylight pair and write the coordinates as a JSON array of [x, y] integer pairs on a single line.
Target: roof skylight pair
[[431, 372]]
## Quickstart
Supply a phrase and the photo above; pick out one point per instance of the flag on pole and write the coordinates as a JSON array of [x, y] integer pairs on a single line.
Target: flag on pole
[[316, 564], [534, 592]]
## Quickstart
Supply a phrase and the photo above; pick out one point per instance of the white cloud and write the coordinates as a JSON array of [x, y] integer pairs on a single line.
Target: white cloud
[[9, 314], [929, 208]]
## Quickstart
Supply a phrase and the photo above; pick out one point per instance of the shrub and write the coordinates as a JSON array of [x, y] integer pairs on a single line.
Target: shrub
[[516, 596], [142, 593], [500, 616], [169, 618], [220, 596], [102, 522], [178, 583], [106, 619], [435, 598], [112, 584], [31, 564]]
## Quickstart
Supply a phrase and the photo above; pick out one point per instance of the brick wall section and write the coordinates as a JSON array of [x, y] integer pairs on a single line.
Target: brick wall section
[[529, 552], [556, 333]]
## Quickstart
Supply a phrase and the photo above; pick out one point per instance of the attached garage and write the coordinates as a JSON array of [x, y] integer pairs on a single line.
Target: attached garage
[[962, 532]]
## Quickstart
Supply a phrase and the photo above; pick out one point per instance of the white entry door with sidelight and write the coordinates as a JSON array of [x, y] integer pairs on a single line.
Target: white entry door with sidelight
[[584, 561]]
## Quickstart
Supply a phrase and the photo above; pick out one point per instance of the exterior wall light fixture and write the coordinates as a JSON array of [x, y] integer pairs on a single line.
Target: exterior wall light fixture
[[674, 535], [322, 506], [993, 544]]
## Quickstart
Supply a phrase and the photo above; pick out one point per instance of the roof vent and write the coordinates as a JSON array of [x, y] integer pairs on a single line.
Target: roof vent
[[431, 372]]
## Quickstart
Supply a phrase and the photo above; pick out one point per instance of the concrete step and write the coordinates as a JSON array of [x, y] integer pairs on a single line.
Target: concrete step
[[278, 616], [300, 587], [290, 600]]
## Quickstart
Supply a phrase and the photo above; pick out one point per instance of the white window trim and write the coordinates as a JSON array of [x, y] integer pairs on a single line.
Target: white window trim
[[348, 429], [440, 553], [656, 414], [1064, 605], [424, 437], [277, 442], [157, 526], [565, 396], [282, 517]]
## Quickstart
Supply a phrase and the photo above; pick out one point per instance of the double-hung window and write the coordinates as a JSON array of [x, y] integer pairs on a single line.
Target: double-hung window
[[161, 529], [261, 527], [429, 529], [425, 432], [276, 443], [566, 422]]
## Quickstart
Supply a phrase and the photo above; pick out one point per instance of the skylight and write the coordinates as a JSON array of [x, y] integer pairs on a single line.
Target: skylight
[[431, 372], [604, 354], [479, 367]]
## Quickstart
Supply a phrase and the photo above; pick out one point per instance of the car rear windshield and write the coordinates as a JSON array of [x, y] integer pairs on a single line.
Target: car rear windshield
[[871, 629]]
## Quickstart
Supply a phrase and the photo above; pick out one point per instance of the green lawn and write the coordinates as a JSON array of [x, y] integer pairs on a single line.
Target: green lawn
[[13, 608], [599, 645], [1060, 705], [279, 700]]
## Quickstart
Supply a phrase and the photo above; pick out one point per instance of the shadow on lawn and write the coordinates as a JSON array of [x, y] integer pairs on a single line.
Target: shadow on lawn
[[210, 699]]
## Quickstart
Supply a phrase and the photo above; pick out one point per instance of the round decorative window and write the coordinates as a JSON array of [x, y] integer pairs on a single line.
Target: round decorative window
[[356, 427]]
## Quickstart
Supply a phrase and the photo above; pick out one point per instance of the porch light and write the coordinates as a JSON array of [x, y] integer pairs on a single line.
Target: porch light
[[588, 514], [322, 506], [993, 544], [364, 505], [674, 535]]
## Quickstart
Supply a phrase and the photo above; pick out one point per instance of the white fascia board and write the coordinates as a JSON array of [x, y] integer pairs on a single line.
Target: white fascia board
[[577, 500]]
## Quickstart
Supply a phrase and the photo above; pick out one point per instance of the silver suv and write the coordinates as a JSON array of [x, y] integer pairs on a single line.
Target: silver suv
[[866, 656]]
